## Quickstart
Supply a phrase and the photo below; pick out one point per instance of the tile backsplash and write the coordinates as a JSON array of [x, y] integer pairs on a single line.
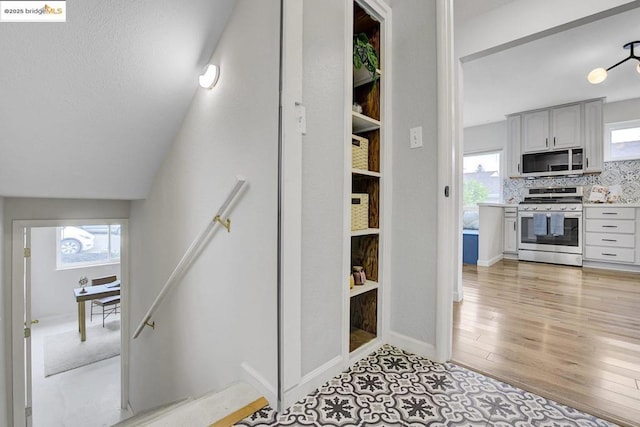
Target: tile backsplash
[[624, 173]]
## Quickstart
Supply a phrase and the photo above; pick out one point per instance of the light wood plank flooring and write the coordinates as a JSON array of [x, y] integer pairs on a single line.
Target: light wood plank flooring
[[567, 333]]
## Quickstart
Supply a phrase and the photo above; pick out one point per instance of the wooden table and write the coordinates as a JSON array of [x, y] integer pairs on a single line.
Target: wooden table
[[92, 292]]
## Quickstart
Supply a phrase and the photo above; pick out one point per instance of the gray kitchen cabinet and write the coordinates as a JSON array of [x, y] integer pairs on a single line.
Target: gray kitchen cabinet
[[552, 129], [593, 134], [610, 234], [514, 157], [535, 131], [510, 235]]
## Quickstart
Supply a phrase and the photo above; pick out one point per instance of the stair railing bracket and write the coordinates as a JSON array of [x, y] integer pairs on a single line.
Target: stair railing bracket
[[225, 223], [150, 324]]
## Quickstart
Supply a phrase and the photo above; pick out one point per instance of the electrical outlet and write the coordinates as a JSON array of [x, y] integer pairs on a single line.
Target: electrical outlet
[[415, 137]]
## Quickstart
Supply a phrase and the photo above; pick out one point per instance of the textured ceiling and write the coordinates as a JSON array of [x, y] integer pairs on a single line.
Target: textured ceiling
[[553, 70], [89, 107]]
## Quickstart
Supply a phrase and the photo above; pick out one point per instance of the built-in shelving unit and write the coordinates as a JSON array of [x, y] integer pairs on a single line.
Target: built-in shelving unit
[[365, 241]]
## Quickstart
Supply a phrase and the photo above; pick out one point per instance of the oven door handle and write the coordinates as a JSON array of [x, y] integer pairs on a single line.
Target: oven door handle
[[566, 214]]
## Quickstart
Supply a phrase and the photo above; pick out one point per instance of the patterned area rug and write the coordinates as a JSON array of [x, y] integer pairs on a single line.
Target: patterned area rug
[[394, 388]]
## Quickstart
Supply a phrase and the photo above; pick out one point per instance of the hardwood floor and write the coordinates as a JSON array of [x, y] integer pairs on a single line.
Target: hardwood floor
[[567, 333]]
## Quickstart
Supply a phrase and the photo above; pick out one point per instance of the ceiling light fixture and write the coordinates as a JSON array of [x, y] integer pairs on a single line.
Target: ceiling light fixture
[[209, 76], [600, 74]]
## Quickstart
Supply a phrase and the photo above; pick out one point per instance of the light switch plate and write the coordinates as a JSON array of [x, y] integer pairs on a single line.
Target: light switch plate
[[415, 137]]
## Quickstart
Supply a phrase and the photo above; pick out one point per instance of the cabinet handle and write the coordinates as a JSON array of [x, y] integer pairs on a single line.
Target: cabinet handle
[[514, 226], [554, 141], [609, 226], [587, 163], [609, 240], [609, 213], [606, 254], [546, 142], [518, 167]]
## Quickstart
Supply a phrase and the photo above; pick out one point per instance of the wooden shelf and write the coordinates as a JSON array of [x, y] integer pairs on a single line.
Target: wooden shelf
[[362, 123], [365, 232], [365, 173], [361, 77], [358, 338], [361, 289]]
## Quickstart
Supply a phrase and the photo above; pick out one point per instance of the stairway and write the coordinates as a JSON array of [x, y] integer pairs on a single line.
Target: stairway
[[219, 409]]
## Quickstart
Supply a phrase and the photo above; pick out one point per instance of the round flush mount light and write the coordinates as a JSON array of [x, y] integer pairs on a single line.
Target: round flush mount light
[[209, 76]]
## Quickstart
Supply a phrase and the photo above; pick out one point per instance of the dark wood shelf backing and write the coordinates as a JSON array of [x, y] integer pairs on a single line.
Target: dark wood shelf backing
[[364, 252], [371, 186], [358, 338], [368, 96], [364, 312]]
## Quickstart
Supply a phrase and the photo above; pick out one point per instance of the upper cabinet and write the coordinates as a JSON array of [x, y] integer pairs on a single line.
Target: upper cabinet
[[551, 129], [593, 134], [574, 128], [514, 159], [535, 131], [566, 127]]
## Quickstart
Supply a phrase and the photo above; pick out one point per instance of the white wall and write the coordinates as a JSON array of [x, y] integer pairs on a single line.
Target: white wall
[[622, 111], [414, 217], [491, 229], [41, 209], [493, 136], [5, 320], [223, 313], [522, 18], [323, 163], [51, 289]]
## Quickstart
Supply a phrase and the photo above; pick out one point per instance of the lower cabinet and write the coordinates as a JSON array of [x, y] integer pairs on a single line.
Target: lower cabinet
[[510, 235], [610, 234]]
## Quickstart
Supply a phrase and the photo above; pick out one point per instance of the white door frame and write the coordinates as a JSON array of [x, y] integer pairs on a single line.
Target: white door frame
[[17, 398]]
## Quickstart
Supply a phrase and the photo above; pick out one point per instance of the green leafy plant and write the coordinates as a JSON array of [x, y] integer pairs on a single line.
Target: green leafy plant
[[364, 55], [474, 192]]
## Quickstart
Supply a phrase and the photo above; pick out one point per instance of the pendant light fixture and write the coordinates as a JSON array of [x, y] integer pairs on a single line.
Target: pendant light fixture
[[600, 74]]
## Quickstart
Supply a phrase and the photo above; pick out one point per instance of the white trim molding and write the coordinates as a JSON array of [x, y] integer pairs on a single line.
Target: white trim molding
[[412, 345], [448, 237], [313, 380], [489, 262]]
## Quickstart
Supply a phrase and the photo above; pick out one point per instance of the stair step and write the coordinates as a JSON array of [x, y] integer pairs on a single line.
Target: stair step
[[152, 414], [219, 409]]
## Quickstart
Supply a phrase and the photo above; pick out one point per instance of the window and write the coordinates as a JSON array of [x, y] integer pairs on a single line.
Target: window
[[622, 141], [87, 245], [482, 182]]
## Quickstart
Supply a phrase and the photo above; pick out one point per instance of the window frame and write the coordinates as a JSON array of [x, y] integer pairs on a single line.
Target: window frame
[[501, 170], [613, 126], [110, 260]]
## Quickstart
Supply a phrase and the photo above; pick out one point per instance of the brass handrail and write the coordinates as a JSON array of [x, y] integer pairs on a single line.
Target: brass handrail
[[187, 258]]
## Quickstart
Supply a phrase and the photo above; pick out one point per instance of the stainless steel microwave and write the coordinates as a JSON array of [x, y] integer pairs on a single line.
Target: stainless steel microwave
[[550, 163]]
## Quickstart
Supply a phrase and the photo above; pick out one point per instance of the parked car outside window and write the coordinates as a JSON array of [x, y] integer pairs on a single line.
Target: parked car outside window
[[74, 240]]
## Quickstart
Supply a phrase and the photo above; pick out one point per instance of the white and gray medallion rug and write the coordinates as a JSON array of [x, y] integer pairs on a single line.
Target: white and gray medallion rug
[[65, 351], [394, 388]]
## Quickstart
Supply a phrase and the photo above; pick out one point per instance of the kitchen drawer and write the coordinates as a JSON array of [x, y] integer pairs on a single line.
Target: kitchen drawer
[[510, 212], [610, 240], [611, 213], [601, 253], [610, 226]]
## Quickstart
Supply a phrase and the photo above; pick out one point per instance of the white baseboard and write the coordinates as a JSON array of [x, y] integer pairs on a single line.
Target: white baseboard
[[490, 262], [458, 296], [313, 380], [254, 378], [611, 266], [412, 345]]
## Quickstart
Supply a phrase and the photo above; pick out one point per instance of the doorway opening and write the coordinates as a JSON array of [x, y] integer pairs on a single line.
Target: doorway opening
[[62, 376]]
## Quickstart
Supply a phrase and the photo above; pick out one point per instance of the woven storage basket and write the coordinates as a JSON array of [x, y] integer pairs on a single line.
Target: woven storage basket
[[359, 152], [359, 211]]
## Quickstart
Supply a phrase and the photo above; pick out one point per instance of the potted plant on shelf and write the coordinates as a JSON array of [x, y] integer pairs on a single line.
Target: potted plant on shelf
[[365, 56]]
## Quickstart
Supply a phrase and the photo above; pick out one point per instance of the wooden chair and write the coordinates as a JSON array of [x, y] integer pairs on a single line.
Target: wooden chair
[[109, 305]]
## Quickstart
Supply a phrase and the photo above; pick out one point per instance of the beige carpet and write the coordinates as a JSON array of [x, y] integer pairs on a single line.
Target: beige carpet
[[65, 351]]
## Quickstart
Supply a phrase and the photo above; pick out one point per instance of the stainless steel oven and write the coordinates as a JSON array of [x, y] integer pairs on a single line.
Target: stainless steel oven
[[550, 226]]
